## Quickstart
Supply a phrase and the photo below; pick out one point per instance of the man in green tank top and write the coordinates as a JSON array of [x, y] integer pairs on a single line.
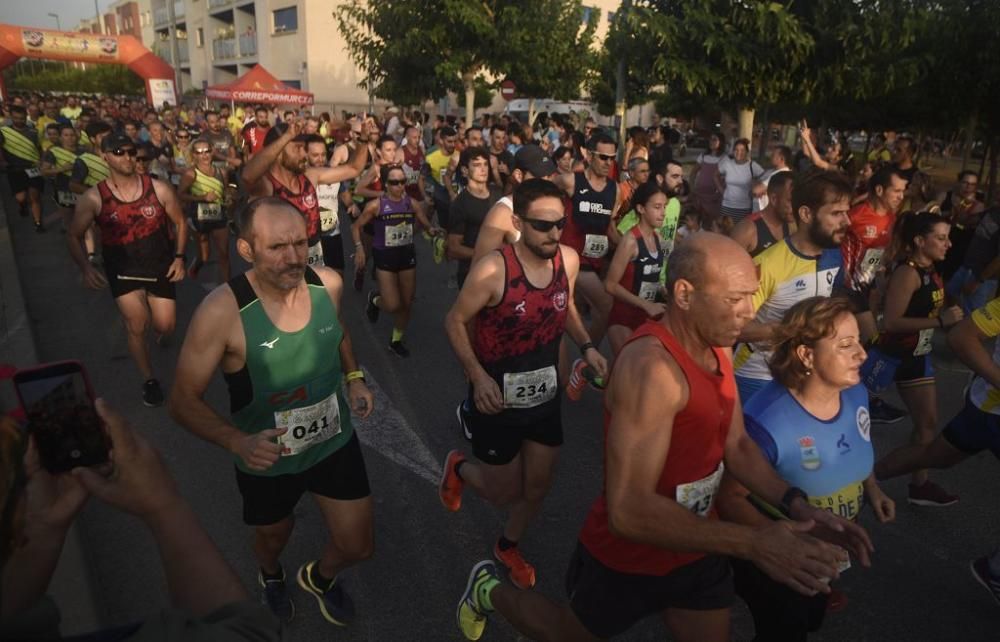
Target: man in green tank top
[[285, 355]]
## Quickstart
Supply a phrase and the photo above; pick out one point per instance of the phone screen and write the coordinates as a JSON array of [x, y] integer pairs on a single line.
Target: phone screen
[[61, 417]]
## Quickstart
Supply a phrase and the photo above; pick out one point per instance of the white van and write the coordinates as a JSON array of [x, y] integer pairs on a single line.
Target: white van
[[518, 108]]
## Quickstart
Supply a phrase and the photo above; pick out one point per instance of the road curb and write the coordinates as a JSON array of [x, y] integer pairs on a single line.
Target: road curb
[[71, 585]]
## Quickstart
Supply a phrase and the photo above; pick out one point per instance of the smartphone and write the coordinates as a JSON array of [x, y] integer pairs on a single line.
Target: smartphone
[[59, 404]]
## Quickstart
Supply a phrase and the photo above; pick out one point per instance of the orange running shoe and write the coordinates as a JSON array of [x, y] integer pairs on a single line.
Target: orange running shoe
[[451, 485], [520, 572], [574, 389]]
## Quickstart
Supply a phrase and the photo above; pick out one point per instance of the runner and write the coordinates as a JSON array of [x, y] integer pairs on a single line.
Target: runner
[[512, 412], [975, 428], [392, 216], [254, 133], [60, 164], [470, 209], [411, 155], [290, 431], [764, 228], [281, 168], [223, 147], [913, 309], [20, 158], [91, 169], [369, 189], [633, 277], [328, 196], [501, 161], [651, 543], [805, 264], [435, 171], [203, 190], [812, 425], [140, 264]]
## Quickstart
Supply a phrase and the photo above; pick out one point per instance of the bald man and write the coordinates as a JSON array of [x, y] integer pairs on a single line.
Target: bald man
[[652, 543]]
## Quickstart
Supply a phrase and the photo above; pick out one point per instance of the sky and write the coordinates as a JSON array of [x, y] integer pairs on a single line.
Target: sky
[[35, 13]]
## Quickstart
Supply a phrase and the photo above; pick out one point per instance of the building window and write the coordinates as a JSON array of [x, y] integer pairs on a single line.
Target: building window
[[286, 20], [297, 84], [199, 37]]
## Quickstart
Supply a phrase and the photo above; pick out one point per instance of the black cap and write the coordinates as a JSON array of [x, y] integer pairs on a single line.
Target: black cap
[[115, 141], [532, 158]]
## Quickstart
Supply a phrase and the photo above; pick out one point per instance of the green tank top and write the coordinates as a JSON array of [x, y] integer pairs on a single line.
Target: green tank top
[[291, 380]]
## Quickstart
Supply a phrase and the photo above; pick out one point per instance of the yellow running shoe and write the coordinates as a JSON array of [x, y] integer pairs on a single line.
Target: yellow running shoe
[[472, 612]]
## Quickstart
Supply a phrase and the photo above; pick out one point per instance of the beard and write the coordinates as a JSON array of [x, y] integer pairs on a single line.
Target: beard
[[546, 250], [818, 237]]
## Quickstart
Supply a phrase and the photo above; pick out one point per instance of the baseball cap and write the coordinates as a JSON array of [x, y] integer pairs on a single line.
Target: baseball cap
[[116, 140], [533, 159]]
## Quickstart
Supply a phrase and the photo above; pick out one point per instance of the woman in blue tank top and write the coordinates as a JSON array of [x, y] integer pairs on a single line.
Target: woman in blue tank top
[[812, 424]]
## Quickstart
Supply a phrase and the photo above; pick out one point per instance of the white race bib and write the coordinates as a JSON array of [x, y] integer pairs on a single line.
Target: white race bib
[[648, 290], [315, 258], [65, 198], [329, 222], [529, 389], [595, 246], [870, 263], [697, 496], [308, 426], [924, 342], [209, 212], [33, 172], [399, 235]]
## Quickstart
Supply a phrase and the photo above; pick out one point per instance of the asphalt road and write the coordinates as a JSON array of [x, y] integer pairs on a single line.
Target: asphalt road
[[918, 589]]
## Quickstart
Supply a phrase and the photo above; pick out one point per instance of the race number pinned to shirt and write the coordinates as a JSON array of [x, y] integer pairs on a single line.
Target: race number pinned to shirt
[[697, 496], [648, 290], [209, 212], [315, 257], [869, 265], [33, 172], [329, 222], [529, 389], [924, 342], [595, 246], [308, 426], [399, 235], [66, 198]]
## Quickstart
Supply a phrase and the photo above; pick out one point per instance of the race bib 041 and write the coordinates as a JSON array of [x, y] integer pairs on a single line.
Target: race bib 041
[[308, 426], [529, 389]]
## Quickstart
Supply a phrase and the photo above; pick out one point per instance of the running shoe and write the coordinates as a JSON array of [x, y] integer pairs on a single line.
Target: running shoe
[[980, 568], [520, 572], [152, 394], [461, 413], [275, 595], [472, 613], [581, 375], [883, 413], [451, 485], [359, 279], [439, 249], [335, 604], [39, 228], [371, 310], [399, 349], [930, 494]]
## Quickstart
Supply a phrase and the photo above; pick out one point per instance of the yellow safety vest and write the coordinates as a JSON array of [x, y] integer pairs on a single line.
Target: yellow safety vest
[[63, 157], [97, 169], [16, 143]]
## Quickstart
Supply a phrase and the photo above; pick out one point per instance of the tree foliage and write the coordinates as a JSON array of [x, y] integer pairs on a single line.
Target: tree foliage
[[95, 79]]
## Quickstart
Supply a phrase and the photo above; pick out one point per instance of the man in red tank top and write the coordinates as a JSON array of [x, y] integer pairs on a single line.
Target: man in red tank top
[[652, 543], [281, 168], [520, 302], [141, 262]]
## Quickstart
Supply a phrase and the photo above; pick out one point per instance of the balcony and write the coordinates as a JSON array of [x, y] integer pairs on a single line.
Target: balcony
[[161, 16], [224, 49], [162, 49], [248, 45], [212, 4]]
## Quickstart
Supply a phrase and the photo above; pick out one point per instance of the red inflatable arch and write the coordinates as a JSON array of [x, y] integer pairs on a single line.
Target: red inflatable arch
[[29, 42]]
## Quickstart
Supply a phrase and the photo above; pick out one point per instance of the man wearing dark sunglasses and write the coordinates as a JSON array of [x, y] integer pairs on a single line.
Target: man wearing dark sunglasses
[[141, 263], [519, 304], [590, 230]]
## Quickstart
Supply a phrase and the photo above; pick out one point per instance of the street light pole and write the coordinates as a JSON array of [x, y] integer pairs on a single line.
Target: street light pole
[[97, 11], [58, 24], [620, 106]]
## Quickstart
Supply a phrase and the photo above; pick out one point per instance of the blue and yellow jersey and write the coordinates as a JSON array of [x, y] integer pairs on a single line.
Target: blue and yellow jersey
[[829, 459], [786, 277], [981, 393]]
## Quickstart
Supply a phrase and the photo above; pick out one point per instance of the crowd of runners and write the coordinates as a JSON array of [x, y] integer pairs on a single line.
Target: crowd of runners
[[753, 318]]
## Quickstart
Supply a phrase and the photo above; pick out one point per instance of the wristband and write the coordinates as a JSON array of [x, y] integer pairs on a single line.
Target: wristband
[[359, 244], [789, 497], [586, 346], [354, 375], [179, 256]]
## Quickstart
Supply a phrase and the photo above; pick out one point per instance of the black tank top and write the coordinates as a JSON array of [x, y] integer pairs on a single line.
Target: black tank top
[[925, 302], [764, 237]]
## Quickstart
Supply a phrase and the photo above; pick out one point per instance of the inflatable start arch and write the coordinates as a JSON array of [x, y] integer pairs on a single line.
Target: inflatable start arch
[[29, 42]]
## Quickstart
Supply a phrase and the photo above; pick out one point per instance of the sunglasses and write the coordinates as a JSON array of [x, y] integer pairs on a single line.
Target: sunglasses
[[202, 151], [121, 151], [605, 157], [182, 137], [396, 181], [545, 226]]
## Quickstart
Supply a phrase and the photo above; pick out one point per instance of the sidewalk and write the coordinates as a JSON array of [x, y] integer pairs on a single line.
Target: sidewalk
[[71, 587]]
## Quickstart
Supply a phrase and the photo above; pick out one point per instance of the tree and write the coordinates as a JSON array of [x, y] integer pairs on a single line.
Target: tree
[[484, 94], [414, 50], [104, 79]]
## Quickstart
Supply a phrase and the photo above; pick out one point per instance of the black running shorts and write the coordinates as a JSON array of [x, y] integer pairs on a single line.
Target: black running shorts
[[395, 259], [19, 181], [608, 602], [122, 284], [496, 439], [268, 500], [333, 251]]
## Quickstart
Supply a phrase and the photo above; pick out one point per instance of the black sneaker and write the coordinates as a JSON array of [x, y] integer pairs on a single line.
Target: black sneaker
[[372, 309], [883, 413], [39, 228], [152, 394], [359, 279], [275, 595], [399, 348], [981, 571], [335, 604]]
